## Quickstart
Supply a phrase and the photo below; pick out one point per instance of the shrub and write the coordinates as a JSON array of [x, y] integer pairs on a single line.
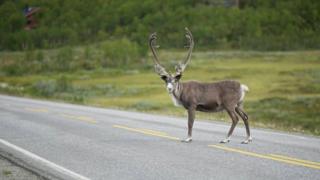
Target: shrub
[[39, 56], [63, 61], [63, 84], [44, 88], [14, 67], [49, 88], [120, 53]]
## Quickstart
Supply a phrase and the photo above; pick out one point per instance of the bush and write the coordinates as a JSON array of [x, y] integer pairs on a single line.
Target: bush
[[120, 53], [64, 58], [14, 67], [44, 88], [39, 56], [49, 88], [64, 84]]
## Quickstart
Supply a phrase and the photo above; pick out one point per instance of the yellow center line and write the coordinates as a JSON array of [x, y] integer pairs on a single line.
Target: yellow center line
[[263, 156], [295, 159], [86, 118], [80, 118], [147, 132], [37, 109], [153, 131]]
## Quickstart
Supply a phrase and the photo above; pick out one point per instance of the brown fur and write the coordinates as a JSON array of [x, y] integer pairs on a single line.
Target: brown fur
[[212, 97]]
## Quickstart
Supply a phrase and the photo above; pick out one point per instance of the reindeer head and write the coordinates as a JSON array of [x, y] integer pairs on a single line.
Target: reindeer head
[[171, 80]]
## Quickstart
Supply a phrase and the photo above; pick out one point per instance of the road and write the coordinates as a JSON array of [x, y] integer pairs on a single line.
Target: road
[[64, 141]]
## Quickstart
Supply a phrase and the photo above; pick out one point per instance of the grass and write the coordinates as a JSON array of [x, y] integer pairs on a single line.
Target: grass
[[284, 86], [6, 172]]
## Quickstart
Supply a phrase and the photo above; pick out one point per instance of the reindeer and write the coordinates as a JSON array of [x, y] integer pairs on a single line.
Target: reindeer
[[195, 96]]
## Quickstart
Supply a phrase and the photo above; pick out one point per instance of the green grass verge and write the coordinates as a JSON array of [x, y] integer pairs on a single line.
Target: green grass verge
[[284, 86]]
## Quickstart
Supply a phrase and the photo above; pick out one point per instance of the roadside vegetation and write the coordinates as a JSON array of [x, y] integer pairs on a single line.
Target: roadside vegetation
[[95, 52], [284, 86]]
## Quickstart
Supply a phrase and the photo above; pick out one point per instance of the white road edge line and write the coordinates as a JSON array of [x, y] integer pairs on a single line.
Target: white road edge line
[[56, 167]]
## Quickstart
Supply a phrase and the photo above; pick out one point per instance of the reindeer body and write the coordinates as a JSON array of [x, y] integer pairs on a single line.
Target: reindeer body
[[194, 96], [208, 97]]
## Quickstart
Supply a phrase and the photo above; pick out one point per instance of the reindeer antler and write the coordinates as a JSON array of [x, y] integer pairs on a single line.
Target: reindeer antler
[[158, 68], [182, 65]]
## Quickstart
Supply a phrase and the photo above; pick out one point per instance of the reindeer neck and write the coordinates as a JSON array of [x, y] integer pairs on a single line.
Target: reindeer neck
[[177, 92]]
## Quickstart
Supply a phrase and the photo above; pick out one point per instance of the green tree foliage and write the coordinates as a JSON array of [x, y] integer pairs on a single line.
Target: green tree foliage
[[255, 24]]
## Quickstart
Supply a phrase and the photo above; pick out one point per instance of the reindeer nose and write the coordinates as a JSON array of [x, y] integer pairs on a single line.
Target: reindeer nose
[[169, 87]]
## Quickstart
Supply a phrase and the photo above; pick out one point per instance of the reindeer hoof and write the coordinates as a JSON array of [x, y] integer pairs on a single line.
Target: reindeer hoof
[[225, 141], [247, 141], [188, 140]]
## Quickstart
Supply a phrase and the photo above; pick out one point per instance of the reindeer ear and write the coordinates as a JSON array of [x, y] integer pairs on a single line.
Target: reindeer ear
[[178, 76], [164, 78]]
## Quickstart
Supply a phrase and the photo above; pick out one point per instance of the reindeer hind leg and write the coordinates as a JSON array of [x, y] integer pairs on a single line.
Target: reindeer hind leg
[[245, 118]]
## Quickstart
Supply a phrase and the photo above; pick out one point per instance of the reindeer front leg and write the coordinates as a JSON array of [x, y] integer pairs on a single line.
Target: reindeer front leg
[[235, 120], [191, 116]]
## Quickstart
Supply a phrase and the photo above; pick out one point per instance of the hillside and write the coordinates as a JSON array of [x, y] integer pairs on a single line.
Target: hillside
[[253, 24]]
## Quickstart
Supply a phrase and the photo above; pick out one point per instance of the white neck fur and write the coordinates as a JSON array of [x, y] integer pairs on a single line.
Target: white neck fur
[[175, 94]]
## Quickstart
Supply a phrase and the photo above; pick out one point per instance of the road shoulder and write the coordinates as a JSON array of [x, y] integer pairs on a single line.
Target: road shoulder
[[10, 170]]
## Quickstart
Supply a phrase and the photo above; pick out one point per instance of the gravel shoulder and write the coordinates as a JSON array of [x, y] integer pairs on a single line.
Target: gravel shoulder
[[11, 171]]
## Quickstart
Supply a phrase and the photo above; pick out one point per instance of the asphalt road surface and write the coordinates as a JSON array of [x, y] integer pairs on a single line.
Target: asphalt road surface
[[64, 141]]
